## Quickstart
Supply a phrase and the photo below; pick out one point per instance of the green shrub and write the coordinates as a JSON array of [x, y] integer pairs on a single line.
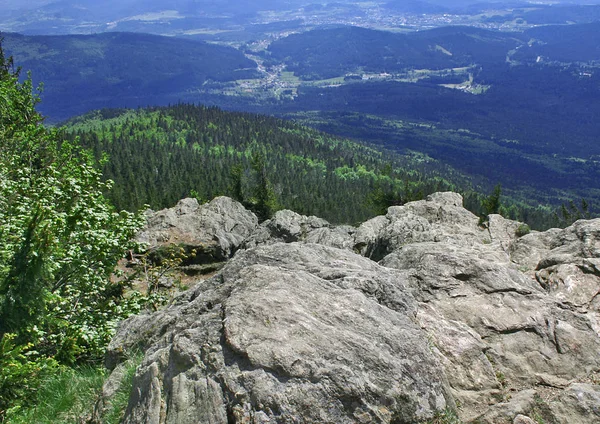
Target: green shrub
[[61, 240], [522, 229], [21, 374], [491, 204]]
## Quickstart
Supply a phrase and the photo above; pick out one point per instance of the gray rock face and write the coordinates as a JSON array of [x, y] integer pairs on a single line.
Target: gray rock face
[[216, 229], [287, 333], [439, 218], [505, 313], [298, 328], [507, 332], [580, 402], [288, 226], [566, 262], [502, 231]]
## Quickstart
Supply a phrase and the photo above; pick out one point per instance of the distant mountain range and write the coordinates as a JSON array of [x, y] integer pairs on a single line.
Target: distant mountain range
[[178, 17], [84, 72]]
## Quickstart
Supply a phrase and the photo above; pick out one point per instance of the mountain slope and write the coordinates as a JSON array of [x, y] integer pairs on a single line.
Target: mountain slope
[[564, 43], [328, 53], [83, 72], [158, 156]]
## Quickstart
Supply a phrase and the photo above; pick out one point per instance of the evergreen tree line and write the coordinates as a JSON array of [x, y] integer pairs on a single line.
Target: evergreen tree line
[[160, 155]]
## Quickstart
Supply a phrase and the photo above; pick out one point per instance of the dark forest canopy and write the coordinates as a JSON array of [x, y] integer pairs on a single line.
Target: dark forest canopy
[[159, 155], [328, 53]]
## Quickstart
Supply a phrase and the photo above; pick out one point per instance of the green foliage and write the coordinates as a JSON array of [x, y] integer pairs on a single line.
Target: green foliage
[[524, 140], [67, 397], [501, 379], [157, 274], [196, 195], [491, 204], [385, 194], [261, 199], [21, 375], [61, 240], [235, 188], [380, 200], [570, 213], [302, 169], [263, 203], [309, 172], [522, 230]]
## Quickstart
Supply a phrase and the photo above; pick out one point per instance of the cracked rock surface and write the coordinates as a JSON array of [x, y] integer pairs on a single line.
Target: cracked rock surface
[[287, 333], [215, 229], [439, 314]]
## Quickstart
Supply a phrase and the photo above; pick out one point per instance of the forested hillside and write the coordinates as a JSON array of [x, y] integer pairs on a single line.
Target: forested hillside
[[83, 72], [563, 43], [522, 113], [499, 107], [329, 53], [159, 155]]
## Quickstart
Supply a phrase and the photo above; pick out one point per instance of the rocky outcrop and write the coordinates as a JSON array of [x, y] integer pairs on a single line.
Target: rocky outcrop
[[566, 263], [287, 333], [520, 310], [439, 218], [288, 226], [439, 314], [214, 231]]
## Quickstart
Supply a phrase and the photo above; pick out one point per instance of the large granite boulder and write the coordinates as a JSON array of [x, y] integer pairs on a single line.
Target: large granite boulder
[[298, 333], [299, 328], [214, 231], [440, 217], [506, 313]]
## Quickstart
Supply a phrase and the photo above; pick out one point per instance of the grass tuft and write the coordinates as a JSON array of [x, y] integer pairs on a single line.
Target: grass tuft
[[118, 403], [66, 397]]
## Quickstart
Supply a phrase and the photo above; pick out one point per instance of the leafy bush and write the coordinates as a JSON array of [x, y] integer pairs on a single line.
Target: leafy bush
[[20, 375], [61, 240]]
